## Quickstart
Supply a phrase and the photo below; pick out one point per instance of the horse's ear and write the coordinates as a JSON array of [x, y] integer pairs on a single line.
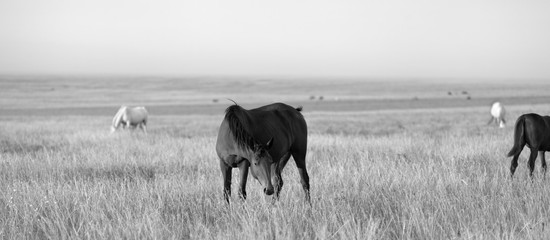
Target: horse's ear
[[269, 144]]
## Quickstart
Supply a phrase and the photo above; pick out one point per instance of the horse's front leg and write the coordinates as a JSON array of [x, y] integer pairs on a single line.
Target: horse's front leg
[[226, 173], [514, 164], [243, 170], [543, 163], [491, 120], [531, 162]]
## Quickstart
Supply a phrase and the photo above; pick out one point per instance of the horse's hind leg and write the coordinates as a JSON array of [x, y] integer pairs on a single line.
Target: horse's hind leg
[[542, 163], [531, 162], [514, 164], [300, 159], [491, 120]]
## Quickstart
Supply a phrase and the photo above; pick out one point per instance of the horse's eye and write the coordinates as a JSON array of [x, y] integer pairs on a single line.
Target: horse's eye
[[256, 163]]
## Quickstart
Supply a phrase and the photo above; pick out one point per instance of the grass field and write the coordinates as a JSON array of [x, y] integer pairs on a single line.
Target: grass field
[[436, 171]]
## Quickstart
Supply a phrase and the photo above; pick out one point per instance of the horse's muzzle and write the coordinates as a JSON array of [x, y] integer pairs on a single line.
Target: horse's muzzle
[[268, 191]]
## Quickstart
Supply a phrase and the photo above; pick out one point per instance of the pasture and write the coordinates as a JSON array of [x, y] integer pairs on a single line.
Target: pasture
[[387, 160]]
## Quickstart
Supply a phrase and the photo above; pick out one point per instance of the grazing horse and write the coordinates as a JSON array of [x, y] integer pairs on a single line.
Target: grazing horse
[[130, 117], [533, 130], [497, 115], [262, 139]]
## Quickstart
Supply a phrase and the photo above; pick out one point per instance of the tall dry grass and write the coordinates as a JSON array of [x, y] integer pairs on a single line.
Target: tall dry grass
[[425, 174]]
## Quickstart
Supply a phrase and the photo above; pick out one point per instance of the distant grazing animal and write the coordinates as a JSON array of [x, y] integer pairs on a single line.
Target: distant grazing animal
[[130, 117], [262, 139], [533, 130], [497, 115]]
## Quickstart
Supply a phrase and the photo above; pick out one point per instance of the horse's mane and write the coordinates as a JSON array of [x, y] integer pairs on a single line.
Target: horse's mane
[[238, 122]]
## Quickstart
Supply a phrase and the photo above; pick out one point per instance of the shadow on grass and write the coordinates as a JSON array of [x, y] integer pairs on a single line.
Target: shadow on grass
[[7, 146], [113, 173]]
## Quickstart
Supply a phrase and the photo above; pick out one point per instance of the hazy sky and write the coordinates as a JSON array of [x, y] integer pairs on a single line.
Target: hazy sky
[[389, 38]]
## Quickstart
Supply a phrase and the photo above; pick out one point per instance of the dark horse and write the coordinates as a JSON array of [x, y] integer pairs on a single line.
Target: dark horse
[[533, 130], [263, 139]]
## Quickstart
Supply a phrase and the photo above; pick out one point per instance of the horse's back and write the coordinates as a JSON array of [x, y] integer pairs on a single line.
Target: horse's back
[[535, 120], [279, 111], [536, 129], [290, 127], [547, 121], [136, 114], [279, 121], [286, 117]]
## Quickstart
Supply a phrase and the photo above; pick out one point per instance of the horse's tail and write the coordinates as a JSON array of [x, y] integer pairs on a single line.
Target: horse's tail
[[519, 138]]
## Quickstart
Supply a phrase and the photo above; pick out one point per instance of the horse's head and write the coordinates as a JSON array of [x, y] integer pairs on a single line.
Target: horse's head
[[260, 165]]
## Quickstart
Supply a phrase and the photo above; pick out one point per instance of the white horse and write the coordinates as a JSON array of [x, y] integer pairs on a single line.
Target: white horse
[[130, 117], [497, 115]]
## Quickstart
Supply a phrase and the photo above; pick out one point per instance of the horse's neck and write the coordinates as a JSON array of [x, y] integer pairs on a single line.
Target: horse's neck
[[246, 152], [243, 151], [119, 117]]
